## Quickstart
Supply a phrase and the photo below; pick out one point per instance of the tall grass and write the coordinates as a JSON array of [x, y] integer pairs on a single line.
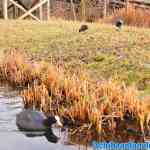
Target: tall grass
[[94, 105], [134, 16]]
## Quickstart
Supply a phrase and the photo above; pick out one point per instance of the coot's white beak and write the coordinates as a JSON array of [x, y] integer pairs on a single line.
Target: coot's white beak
[[58, 121]]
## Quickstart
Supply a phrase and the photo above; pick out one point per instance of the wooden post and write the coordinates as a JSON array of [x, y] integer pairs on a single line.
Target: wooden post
[[108, 4], [5, 9], [48, 9], [127, 4], [41, 11], [105, 8], [13, 16], [73, 10], [83, 10], [16, 11]]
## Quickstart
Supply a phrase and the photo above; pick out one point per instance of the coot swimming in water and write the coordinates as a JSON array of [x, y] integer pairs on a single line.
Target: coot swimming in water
[[31, 120]]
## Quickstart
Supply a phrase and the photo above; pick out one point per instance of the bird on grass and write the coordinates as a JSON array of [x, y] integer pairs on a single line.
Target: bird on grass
[[119, 24], [83, 28], [31, 120]]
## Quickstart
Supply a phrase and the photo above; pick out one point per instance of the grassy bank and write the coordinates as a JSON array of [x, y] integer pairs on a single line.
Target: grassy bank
[[102, 51], [62, 71]]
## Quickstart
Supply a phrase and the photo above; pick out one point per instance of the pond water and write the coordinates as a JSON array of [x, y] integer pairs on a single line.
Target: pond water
[[13, 139]]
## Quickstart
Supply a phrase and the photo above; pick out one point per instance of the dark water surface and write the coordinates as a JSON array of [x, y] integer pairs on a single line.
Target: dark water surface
[[12, 139]]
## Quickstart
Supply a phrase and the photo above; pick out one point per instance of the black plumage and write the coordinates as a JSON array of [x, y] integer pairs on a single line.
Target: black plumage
[[32, 120], [119, 24], [83, 28]]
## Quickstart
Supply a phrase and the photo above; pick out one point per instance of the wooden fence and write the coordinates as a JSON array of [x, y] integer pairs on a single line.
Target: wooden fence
[[136, 3], [43, 9]]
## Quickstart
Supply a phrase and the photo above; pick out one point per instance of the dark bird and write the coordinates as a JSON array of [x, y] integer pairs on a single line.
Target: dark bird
[[30, 120], [83, 28], [119, 24]]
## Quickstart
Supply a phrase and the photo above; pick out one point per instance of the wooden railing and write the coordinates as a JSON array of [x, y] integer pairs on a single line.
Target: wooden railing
[[136, 3]]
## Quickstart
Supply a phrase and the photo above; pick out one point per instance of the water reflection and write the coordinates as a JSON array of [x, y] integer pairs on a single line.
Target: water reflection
[[49, 135]]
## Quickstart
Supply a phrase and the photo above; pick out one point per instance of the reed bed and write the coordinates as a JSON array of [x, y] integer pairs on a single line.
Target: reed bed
[[16, 69], [96, 106], [134, 16]]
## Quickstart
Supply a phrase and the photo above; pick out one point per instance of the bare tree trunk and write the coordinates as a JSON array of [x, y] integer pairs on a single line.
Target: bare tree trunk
[[83, 10], [5, 9], [48, 9], [73, 9], [127, 4], [105, 8]]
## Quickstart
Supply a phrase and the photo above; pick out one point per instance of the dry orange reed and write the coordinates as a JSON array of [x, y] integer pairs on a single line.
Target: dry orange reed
[[76, 96], [134, 16]]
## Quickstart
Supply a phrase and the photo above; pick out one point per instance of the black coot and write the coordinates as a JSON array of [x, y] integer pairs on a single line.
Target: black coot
[[83, 28], [35, 120]]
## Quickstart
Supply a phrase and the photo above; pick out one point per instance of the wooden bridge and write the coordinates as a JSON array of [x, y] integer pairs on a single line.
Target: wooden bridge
[[26, 8]]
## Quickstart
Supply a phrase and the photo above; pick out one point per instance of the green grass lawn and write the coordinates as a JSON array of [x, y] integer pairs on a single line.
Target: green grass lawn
[[102, 51]]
